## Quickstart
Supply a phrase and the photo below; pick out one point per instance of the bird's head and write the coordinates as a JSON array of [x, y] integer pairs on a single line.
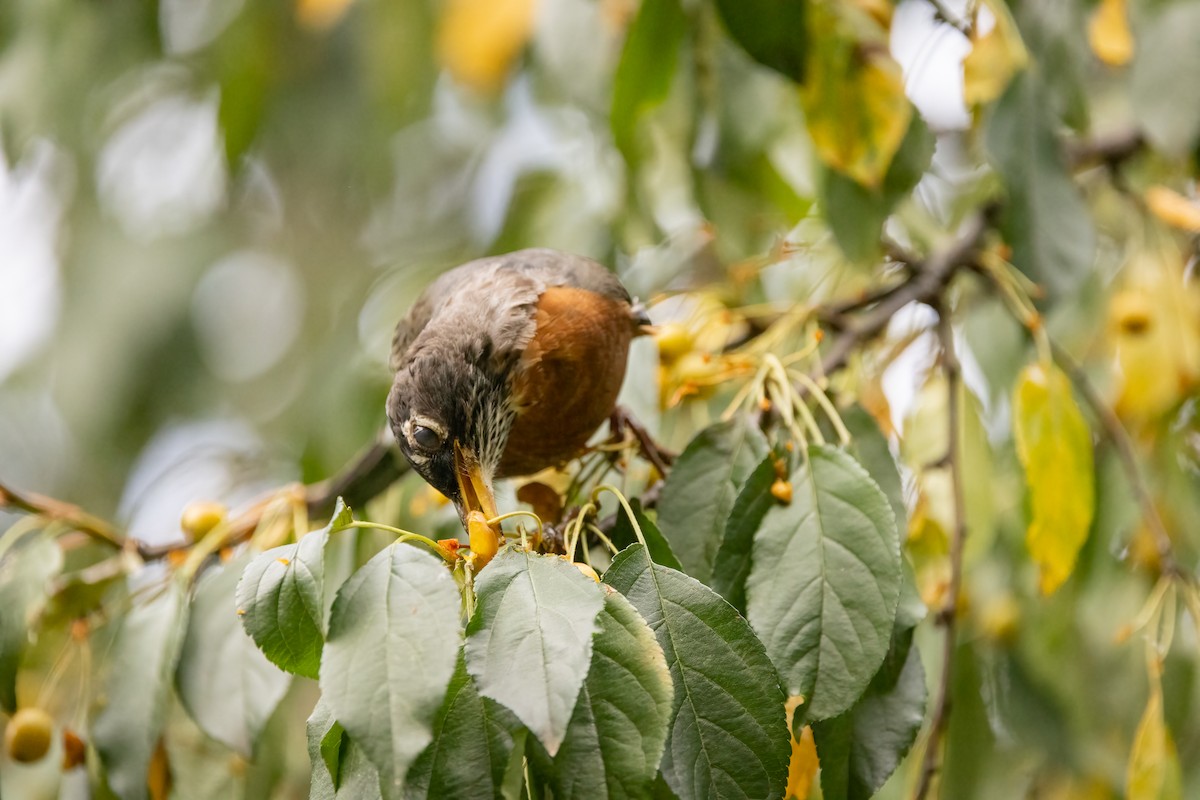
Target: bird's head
[[451, 415]]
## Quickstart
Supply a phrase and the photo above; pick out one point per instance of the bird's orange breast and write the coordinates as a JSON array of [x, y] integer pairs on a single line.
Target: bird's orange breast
[[568, 378]]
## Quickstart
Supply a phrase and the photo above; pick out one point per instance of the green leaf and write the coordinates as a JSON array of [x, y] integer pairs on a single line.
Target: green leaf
[[1045, 220], [646, 69], [141, 661], [226, 684], [530, 642], [280, 598], [773, 32], [616, 736], [25, 572], [728, 735], [825, 583], [860, 749], [855, 213], [870, 448], [733, 558], [472, 742], [1064, 61], [247, 62], [201, 768], [1055, 448], [513, 785], [660, 548], [1168, 49], [702, 487], [394, 633], [340, 769], [332, 745], [83, 592]]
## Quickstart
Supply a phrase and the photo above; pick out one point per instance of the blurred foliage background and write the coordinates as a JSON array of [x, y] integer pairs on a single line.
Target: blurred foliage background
[[212, 213]]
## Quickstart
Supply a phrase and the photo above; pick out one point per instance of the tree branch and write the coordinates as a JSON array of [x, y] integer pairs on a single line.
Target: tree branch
[[1110, 149], [943, 14], [370, 474], [928, 280], [373, 471], [59, 511], [947, 616]]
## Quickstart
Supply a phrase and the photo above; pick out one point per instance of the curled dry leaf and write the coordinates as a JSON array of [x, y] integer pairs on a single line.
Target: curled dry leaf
[[803, 764]]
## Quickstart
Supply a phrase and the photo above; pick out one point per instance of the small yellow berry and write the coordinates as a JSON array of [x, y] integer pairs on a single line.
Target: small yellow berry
[[587, 570], [27, 738], [201, 517], [781, 490], [484, 540], [673, 341]]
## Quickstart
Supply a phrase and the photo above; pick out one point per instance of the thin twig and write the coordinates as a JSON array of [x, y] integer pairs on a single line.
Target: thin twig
[[928, 281], [68, 513], [622, 420], [944, 14], [835, 314], [370, 473], [374, 469], [947, 617], [1110, 149]]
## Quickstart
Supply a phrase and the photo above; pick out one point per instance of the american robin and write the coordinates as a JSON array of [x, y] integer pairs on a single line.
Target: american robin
[[505, 366]]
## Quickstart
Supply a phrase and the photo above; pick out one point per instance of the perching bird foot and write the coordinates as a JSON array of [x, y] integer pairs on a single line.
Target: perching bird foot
[[622, 421]]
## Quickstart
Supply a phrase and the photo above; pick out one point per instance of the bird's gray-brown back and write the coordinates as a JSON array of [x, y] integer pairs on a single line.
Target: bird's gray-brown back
[[492, 301]]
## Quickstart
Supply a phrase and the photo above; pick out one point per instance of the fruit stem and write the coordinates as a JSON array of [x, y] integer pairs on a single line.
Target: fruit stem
[[407, 536], [519, 513], [637, 529], [612, 548]]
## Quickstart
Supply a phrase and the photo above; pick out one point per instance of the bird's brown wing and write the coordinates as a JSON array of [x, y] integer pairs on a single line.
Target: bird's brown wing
[[497, 296]]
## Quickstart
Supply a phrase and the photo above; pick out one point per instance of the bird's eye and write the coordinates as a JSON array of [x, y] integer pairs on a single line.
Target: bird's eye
[[426, 438]]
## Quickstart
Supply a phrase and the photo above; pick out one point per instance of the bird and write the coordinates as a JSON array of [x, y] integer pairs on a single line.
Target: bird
[[507, 365]]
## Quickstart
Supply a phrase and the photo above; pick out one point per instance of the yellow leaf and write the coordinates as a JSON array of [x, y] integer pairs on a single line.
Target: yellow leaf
[[1173, 208], [1108, 33], [928, 547], [479, 39], [1055, 448], [854, 102], [1154, 330], [802, 768], [320, 15], [1153, 772], [995, 57]]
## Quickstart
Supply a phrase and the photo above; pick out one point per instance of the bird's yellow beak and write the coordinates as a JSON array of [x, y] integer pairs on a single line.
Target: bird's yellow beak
[[477, 504]]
